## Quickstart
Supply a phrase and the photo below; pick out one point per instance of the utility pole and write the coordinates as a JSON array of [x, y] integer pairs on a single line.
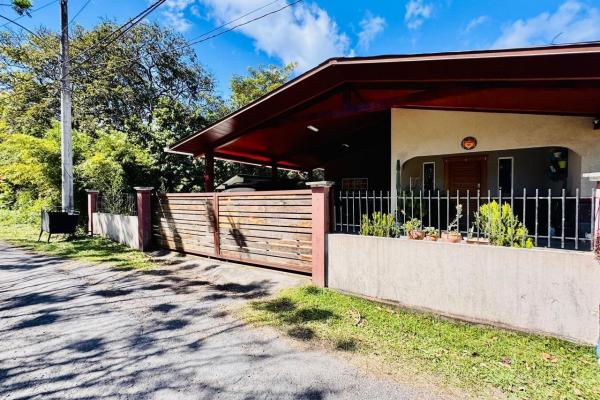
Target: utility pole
[[66, 149]]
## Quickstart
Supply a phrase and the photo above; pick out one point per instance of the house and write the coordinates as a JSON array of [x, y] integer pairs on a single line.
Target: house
[[416, 136], [518, 123]]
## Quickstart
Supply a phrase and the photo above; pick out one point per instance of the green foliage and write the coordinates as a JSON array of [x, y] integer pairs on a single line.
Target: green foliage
[[21, 6], [413, 224], [490, 362], [91, 249], [28, 175], [261, 80], [139, 95], [431, 231], [501, 227], [381, 224]]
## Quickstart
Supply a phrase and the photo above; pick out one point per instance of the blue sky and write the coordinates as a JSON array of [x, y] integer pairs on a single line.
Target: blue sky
[[311, 31]]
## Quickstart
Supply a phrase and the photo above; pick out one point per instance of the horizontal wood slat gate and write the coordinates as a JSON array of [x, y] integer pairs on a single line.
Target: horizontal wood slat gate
[[265, 228]]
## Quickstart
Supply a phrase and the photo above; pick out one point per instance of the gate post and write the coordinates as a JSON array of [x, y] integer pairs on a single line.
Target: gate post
[[320, 229], [144, 217], [595, 178], [92, 198]]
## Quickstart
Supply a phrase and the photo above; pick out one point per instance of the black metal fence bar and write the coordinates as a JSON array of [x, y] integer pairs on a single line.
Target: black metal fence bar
[[560, 221], [120, 203]]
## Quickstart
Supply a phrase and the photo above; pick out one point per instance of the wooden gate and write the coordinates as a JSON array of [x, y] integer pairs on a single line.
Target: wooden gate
[[265, 228]]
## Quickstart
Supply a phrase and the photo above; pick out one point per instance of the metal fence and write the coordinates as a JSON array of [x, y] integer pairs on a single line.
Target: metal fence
[[119, 203], [552, 219]]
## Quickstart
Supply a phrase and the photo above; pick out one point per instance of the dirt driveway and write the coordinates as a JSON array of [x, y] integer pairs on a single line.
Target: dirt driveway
[[69, 330]]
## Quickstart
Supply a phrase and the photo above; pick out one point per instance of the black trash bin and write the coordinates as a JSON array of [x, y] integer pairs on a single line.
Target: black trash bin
[[58, 222]]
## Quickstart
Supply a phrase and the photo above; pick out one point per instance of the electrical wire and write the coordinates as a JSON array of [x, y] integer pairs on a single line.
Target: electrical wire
[[12, 21], [31, 12], [119, 32], [206, 38], [79, 12]]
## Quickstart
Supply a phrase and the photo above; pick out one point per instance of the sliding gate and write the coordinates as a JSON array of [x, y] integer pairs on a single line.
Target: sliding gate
[[264, 228]]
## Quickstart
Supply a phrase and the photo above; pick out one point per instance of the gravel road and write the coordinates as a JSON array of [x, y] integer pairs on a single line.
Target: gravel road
[[69, 330]]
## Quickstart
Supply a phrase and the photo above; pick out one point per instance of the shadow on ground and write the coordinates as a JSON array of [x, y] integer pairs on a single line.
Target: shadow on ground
[[93, 332]]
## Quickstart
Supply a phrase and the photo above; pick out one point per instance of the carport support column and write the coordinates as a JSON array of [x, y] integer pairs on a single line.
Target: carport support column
[[209, 172], [92, 199], [144, 217], [320, 229]]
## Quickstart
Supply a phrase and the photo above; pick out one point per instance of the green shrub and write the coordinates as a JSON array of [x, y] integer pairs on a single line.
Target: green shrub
[[413, 224], [380, 224], [501, 227]]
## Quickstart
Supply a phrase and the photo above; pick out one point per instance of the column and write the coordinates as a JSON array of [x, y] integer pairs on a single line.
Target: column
[[92, 199], [143, 202], [320, 228]]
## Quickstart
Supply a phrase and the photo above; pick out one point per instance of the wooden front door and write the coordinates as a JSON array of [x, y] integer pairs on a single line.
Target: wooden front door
[[464, 173]]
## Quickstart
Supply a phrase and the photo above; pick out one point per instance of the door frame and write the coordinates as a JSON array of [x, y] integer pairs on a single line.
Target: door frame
[[467, 157]]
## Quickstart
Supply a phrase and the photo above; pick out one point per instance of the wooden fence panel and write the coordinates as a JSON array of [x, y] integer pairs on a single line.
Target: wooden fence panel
[[265, 228], [183, 222]]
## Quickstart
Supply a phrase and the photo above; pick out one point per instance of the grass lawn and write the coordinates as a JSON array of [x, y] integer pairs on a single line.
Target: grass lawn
[[85, 248], [480, 359]]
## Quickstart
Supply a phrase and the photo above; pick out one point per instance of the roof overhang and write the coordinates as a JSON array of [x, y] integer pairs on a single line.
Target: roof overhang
[[344, 94]]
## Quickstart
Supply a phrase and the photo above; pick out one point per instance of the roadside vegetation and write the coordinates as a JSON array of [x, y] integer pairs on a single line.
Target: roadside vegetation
[[22, 230], [480, 359]]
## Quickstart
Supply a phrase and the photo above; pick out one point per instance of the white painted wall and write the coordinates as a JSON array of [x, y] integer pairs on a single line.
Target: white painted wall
[[435, 132], [120, 228], [553, 292]]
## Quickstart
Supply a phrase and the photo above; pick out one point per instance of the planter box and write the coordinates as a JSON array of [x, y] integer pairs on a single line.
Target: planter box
[[554, 292]]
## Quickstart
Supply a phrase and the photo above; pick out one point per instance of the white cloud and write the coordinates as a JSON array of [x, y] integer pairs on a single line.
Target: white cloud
[[304, 34], [574, 21], [417, 11], [475, 22], [174, 13], [371, 26]]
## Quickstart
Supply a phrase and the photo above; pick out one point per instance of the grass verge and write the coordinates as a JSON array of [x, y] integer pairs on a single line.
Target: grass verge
[[85, 248], [472, 357]]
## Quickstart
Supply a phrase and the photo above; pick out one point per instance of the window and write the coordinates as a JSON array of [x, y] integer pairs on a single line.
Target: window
[[428, 177], [505, 174]]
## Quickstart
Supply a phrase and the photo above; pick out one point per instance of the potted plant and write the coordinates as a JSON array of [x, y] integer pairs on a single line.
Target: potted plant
[[413, 228], [431, 233], [472, 239], [452, 235]]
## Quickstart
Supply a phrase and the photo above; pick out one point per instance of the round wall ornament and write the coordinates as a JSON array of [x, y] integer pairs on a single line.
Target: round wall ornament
[[469, 143]]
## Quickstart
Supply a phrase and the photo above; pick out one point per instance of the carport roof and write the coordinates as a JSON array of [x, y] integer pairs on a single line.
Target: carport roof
[[346, 96]]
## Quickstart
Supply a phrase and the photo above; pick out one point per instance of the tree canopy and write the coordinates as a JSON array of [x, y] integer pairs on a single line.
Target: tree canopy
[[131, 99]]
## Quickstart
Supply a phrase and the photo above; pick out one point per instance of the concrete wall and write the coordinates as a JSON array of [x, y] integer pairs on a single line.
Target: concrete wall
[[545, 291], [433, 132], [120, 228]]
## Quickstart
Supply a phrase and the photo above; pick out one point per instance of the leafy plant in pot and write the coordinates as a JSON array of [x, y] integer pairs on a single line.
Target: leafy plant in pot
[[431, 233], [452, 235], [414, 229]]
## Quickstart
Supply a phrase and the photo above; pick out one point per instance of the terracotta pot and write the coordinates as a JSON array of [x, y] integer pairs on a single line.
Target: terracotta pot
[[416, 235], [431, 238], [451, 237], [480, 241]]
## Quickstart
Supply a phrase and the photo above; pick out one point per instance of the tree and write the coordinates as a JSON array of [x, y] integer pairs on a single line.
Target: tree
[[148, 85], [260, 81], [20, 6]]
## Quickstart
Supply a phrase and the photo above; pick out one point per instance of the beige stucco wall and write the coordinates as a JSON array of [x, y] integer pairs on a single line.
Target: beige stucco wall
[[120, 228], [434, 132], [554, 292]]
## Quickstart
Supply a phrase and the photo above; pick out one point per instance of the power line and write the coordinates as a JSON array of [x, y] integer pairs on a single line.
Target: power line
[[206, 38], [31, 12], [79, 12], [12, 21], [120, 31]]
